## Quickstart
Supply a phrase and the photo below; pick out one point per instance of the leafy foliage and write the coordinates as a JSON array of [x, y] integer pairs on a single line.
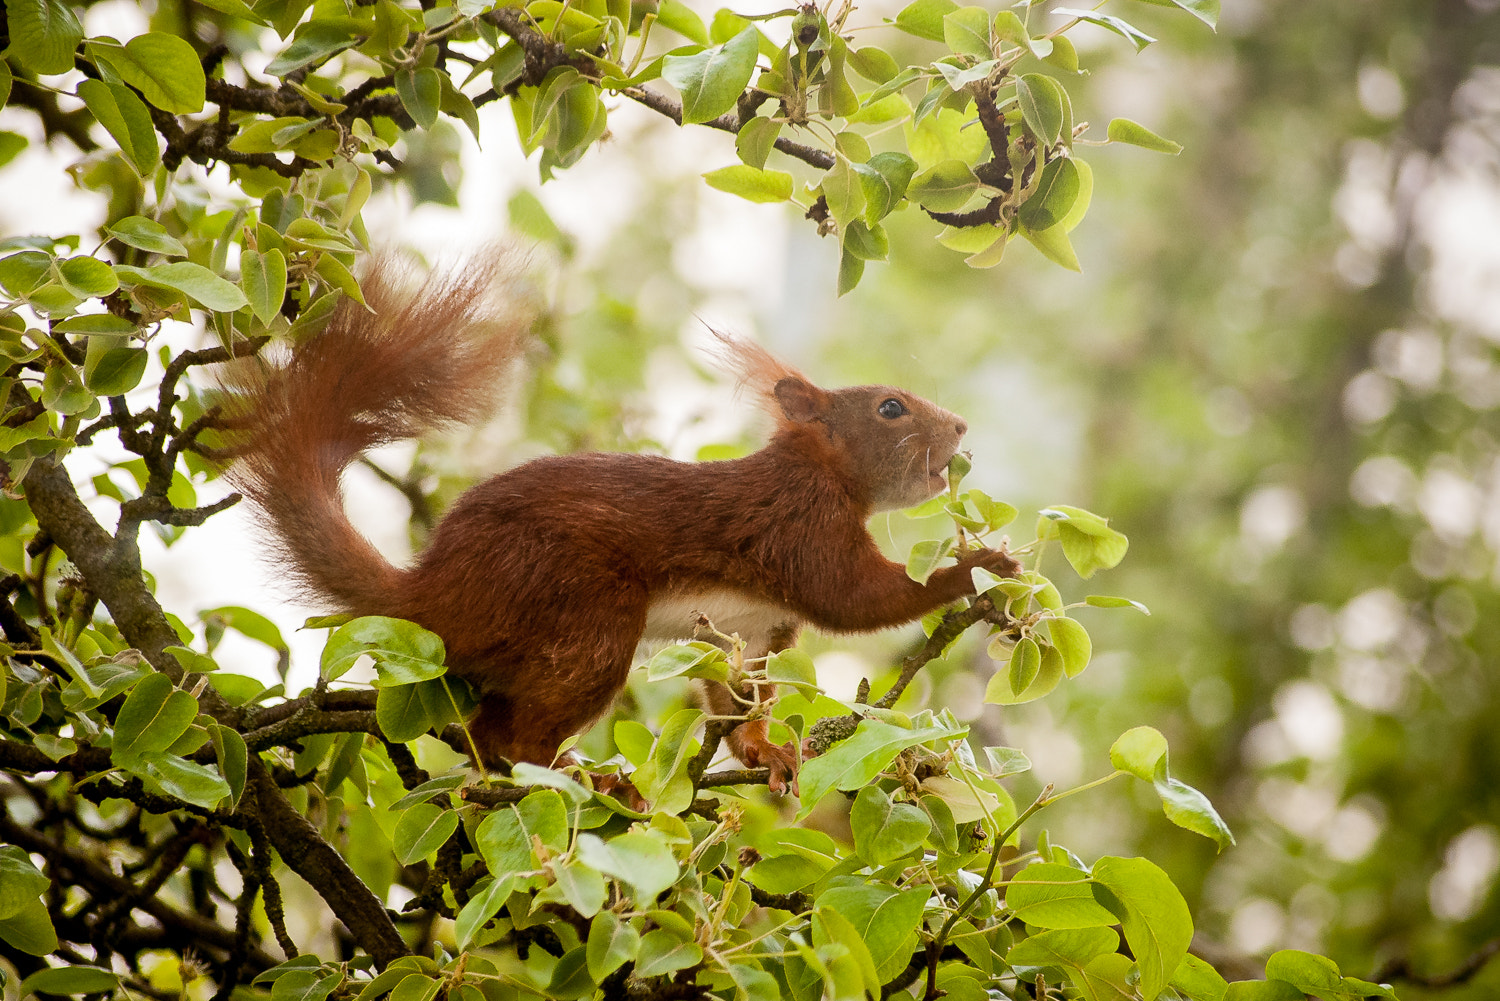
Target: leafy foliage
[[121, 735]]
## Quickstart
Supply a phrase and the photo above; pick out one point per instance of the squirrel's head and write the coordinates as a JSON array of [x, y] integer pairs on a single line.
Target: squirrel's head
[[892, 444]]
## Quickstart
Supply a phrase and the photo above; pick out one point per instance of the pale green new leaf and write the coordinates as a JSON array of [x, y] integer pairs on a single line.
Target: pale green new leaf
[[163, 67], [1124, 130], [711, 81], [751, 183]]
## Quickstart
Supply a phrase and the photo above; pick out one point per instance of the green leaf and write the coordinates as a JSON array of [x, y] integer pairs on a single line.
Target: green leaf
[[637, 858], [665, 951], [751, 183], [1025, 663], [885, 831], [1110, 601], [1088, 542], [884, 919], [44, 34], [873, 63], [842, 190], [633, 740], [754, 142], [1262, 990], [263, 280], [853, 763], [793, 667], [111, 366], [1049, 673], [831, 923], [663, 779], [146, 234], [21, 273], [87, 277], [504, 840], [924, 18], [1138, 751], [1056, 193], [1190, 809], [1069, 948], [611, 944], [1120, 27], [967, 32], [192, 280], [1072, 642], [682, 19], [177, 776], [230, 749], [333, 271], [96, 323], [1063, 55], [711, 81], [925, 557], [1050, 895], [1198, 980], [884, 179], [125, 118], [1123, 130], [1308, 972], [693, 660], [1041, 101], [944, 187], [1004, 761], [1153, 916], [153, 716], [163, 67], [421, 91], [30, 929], [11, 143], [422, 830], [70, 980], [1206, 11], [865, 242], [403, 651], [1008, 27], [6, 79], [314, 41], [481, 907], [582, 886], [235, 8], [19, 879], [526, 773], [401, 713]]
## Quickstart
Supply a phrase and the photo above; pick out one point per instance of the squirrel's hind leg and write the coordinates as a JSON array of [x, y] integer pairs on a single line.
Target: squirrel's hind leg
[[568, 684], [750, 741]]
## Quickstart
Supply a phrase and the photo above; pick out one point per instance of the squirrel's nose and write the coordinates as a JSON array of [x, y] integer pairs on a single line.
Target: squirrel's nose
[[961, 427]]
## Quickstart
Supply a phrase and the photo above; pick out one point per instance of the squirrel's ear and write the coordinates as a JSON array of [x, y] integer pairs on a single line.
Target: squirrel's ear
[[800, 401]]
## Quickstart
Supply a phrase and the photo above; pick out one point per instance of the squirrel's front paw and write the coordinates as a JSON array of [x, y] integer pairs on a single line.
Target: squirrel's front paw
[[996, 561]]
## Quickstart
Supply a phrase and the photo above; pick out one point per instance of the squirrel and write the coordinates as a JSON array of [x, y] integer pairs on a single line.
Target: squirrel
[[542, 580]]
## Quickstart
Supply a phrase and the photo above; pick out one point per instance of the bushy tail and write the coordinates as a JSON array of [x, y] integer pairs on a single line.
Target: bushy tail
[[431, 354]]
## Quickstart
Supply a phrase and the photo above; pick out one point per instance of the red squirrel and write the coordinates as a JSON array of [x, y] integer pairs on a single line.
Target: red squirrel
[[543, 579]]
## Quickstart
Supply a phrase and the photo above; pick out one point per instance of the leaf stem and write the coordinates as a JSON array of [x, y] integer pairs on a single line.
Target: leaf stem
[[1044, 799], [463, 725]]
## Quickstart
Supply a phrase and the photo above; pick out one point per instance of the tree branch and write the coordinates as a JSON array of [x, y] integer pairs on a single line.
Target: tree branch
[[303, 849]]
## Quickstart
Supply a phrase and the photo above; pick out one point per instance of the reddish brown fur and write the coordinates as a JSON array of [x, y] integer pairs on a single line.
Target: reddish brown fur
[[540, 579]]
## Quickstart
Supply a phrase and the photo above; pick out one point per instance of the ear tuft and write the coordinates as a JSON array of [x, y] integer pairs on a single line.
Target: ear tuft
[[760, 372]]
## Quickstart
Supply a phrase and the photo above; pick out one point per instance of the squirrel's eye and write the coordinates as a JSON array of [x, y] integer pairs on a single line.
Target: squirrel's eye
[[891, 409]]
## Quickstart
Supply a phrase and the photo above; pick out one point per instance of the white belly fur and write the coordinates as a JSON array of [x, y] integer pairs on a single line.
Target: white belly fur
[[672, 616]]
